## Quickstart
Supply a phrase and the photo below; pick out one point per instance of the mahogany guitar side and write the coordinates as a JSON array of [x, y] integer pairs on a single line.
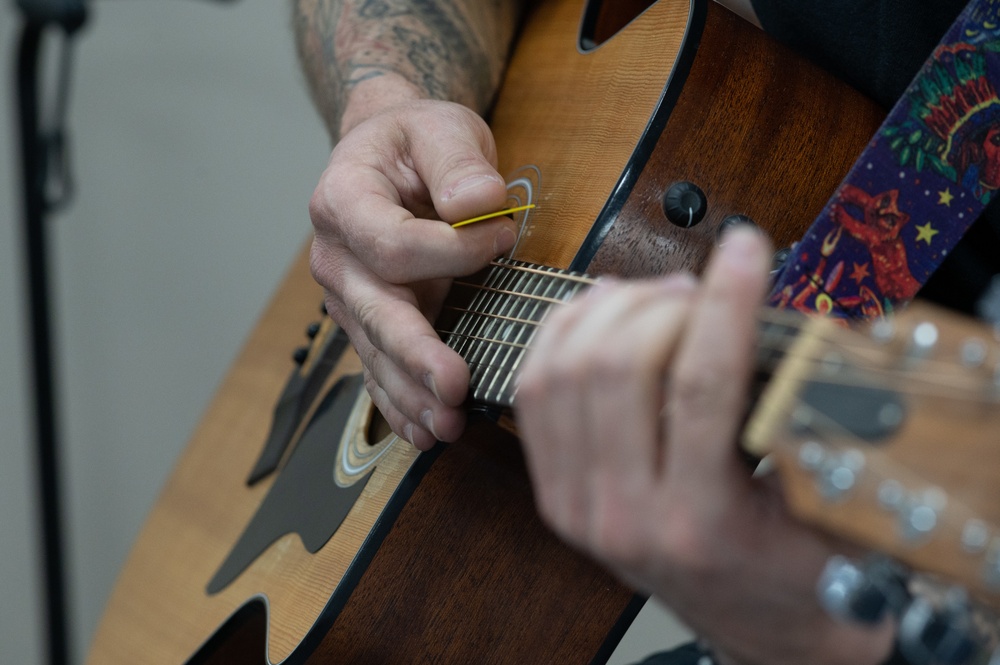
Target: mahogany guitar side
[[443, 559]]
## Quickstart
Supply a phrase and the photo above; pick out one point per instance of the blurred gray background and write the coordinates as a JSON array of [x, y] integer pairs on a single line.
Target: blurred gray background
[[196, 150]]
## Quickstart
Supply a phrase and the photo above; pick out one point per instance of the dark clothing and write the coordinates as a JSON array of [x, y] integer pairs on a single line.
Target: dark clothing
[[875, 45], [694, 654]]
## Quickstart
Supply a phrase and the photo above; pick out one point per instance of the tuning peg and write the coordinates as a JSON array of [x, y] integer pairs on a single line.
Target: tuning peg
[[988, 307], [864, 595], [313, 329], [882, 331], [836, 472], [973, 352], [942, 633], [300, 355], [923, 339], [918, 513]]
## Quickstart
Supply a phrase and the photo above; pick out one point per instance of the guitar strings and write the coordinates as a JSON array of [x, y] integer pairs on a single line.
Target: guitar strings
[[777, 340], [932, 374]]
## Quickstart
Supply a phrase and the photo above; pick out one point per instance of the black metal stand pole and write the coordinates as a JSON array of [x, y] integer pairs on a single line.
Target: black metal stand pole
[[34, 173]]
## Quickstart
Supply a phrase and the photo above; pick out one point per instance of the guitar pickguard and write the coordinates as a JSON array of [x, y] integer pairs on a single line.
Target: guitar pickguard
[[318, 486]]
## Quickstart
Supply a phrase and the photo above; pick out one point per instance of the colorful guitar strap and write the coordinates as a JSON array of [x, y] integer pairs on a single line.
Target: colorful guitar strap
[[927, 174]]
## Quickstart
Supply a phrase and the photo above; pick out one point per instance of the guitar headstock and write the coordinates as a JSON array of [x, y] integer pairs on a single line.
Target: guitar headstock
[[890, 437]]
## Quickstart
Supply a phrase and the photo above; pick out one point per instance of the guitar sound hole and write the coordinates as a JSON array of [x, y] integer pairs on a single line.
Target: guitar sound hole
[[378, 428], [603, 19]]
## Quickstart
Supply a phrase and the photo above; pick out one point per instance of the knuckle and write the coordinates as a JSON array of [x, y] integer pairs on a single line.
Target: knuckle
[[317, 207], [546, 375], [326, 270], [462, 160], [695, 391], [370, 361], [323, 203], [686, 545], [532, 385], [390, 258], [369, 316], [613, 532], [375, 391], [568, 369], [613, 364]]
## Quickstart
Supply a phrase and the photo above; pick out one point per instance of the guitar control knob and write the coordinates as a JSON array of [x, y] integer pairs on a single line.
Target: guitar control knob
[[685, 204], [780, 258], [731, 222]]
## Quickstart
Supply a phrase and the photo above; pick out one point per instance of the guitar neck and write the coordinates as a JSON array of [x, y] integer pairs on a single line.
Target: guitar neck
[[490, 319]]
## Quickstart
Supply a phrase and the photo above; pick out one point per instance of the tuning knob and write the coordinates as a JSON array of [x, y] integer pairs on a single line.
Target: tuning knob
[[852, 593], [685, 204], [313, 330], [300, 355], [942, 633]]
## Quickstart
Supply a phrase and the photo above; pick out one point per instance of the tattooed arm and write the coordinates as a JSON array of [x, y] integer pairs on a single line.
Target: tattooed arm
[[437, 49], [401, 85]]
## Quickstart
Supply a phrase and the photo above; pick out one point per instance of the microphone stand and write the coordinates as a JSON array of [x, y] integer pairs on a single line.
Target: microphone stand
[[40, 152]]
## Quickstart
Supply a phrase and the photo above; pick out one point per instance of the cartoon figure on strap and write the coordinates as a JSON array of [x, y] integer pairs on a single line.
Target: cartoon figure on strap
[[924, 178]]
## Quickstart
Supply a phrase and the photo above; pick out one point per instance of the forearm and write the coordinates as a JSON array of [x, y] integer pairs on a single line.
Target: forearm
[[360, 55]]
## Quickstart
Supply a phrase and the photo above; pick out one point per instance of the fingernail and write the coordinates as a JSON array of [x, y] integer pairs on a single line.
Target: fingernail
[[470, 184], [743, 232], [681, 282], [601, 286], [504, 240], [408, 433], [741, 242], [427, 420], [429, 382]]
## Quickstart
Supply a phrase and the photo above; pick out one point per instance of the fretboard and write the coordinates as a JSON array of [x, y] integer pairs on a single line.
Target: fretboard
[[491, 319]]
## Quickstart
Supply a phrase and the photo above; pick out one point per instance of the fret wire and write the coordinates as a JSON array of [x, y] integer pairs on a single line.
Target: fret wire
[[498, 282], [461, 325], [546, 270], [474, 322], [777, 325], [523, 284], [511, 319], [528, 284], [509, 386], [511, 293], [777, 328], [506, 280], [489, 340], [537, 323], [763, 344]]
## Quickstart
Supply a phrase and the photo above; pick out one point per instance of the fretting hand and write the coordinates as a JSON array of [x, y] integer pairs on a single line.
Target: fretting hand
[[629, 406]]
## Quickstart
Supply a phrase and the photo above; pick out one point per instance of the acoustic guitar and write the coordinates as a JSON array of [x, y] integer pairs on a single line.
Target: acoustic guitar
[[334, 542]]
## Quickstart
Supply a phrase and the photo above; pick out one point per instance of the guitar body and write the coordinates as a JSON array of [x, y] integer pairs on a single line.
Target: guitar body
[[441, 556]]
